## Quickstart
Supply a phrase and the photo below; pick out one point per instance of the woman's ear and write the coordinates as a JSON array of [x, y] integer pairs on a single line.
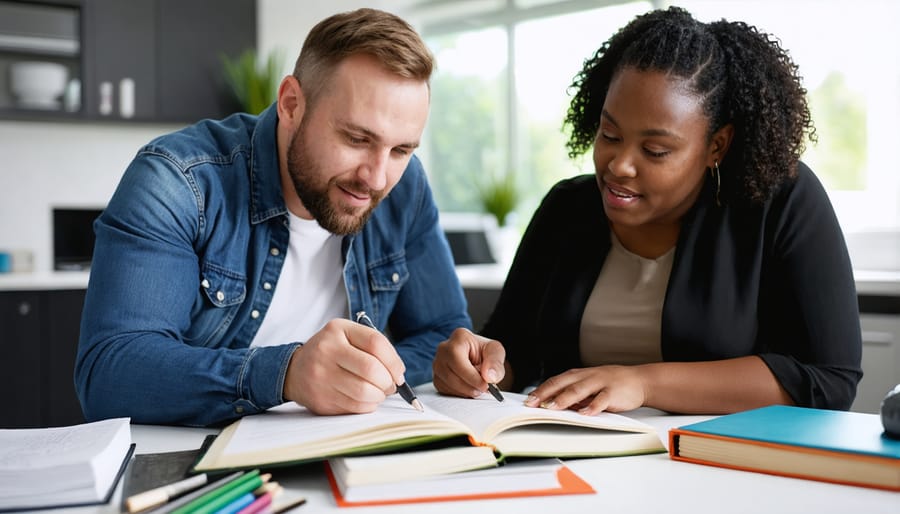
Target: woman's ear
[[719, 144], [291, 100]]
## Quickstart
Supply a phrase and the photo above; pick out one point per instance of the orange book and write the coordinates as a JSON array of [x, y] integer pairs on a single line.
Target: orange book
[[830, 446], [540, 477]]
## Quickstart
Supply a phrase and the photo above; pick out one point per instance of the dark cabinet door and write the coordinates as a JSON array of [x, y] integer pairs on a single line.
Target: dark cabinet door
[[59, 343], [193, 35], [38, 341], [20, 359], [119, 45]]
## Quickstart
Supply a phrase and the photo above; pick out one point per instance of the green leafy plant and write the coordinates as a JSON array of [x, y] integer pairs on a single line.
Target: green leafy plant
[[499, 197], [253, 83]]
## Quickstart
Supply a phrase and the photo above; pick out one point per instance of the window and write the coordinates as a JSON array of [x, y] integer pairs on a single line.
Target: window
[[503, 69], [849, 56]]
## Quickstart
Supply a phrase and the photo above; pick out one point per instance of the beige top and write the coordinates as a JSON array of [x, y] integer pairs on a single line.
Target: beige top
[[622, 318]]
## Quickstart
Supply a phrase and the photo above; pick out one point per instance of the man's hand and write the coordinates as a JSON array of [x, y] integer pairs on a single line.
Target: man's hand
[[344, 368], [466, 363]]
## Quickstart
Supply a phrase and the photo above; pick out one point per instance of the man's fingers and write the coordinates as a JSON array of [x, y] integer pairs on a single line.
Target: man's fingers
[[373, 343]]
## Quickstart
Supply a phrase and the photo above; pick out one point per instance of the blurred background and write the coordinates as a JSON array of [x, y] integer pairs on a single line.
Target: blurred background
[[85, 83]]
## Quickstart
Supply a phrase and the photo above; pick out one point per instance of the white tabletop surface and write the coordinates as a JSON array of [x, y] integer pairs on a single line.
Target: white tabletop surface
[[638, 484]]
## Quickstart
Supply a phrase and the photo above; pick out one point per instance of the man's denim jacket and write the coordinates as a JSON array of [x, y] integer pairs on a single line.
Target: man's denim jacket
[[187, 258]]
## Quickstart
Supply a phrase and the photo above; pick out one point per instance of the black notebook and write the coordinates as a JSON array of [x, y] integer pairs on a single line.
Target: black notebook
[[151, 470]]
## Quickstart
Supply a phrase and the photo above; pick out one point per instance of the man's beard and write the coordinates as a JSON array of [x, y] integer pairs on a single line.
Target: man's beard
[[305, 173]]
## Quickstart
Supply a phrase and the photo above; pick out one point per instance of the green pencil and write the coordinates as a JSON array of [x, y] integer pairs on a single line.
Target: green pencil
[[210, 501]]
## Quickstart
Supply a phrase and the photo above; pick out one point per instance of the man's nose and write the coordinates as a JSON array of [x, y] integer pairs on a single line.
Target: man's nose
[[374, 171]]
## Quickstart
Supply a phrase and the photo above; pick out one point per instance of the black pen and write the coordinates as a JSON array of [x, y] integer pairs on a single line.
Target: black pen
[[495, 392], [405, 391]]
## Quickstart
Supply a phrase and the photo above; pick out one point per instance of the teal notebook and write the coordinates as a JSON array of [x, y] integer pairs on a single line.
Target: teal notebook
[[833, 446]]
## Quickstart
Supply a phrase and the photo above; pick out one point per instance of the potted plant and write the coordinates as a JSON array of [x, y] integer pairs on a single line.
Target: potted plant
[[253, 83], [499, 196]]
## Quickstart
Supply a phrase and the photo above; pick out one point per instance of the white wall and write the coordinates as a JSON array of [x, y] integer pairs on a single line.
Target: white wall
[[46, 165]]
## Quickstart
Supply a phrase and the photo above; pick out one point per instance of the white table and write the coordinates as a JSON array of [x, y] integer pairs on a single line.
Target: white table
[[640, 484]]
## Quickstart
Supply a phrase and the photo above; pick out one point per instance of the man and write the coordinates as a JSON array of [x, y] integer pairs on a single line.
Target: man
[[234, 255]]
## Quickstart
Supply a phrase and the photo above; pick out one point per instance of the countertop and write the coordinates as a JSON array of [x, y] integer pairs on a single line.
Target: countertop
[[475, 276], [44, 280]]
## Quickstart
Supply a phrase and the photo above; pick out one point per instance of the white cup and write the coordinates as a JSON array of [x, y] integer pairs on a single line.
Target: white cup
[[21, 260]]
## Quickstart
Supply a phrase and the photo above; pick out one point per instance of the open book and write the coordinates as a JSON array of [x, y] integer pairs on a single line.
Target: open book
[[62, 466], [290, 434]]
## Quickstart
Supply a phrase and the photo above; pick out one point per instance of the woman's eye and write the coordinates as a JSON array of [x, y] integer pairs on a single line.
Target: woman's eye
[[656, 153], [608, 137]]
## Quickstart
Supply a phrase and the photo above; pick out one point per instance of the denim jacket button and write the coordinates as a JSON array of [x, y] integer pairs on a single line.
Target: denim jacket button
[[220, 295], [274, 251], [267, 286], [395, 278], [254, 314], [205, 284]]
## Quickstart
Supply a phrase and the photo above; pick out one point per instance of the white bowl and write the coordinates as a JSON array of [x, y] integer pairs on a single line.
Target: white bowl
[[38, 84]]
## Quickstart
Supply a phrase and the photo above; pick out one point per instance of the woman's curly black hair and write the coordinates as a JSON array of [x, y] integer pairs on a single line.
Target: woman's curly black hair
[[743, 77]]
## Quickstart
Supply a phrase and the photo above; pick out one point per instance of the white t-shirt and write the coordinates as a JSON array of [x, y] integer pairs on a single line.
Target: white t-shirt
[[310, 290]]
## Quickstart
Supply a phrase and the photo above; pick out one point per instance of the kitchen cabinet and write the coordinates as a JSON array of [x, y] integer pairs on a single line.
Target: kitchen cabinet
[[880, 360], [140, 60], [19, 367], [119, 46], [38, 345], [480, 302], [43, 33]]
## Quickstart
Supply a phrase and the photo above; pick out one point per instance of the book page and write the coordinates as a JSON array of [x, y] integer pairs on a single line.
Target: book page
[[487, 417], [293, 425], [37, 448]]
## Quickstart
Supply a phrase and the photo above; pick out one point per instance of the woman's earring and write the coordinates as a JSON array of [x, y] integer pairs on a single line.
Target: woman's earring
[[715, 173]]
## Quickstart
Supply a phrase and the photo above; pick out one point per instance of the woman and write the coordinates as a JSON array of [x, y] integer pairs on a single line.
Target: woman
[[702, 268]]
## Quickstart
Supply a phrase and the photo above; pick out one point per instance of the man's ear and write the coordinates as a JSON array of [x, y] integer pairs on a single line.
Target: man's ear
[[291, 100], [719, 144]]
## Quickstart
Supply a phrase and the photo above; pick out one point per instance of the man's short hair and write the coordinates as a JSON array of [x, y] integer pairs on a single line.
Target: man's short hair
[[383, 35]]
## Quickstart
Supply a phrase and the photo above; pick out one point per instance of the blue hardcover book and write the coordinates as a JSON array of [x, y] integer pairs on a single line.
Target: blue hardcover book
[[831, 446]]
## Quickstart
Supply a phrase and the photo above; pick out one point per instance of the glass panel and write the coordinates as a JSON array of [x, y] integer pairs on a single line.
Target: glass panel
[[549, 53], [849, 56], [466, 136]]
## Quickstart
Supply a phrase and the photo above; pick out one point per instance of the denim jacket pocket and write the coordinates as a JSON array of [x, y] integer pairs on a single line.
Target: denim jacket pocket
[[389, 276], [223, 287]]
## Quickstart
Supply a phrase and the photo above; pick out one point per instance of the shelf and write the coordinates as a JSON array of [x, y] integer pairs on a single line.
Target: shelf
[[56, 47], [20, 114]]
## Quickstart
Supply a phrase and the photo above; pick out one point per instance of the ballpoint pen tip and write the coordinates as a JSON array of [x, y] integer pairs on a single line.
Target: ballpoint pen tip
[[418, 405]]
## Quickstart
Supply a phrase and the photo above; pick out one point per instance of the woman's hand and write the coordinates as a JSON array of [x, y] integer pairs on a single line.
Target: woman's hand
[[592, 390], [466, 363]]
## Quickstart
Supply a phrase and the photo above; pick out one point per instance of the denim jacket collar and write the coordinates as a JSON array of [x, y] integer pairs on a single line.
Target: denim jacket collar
[[266, 197]]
